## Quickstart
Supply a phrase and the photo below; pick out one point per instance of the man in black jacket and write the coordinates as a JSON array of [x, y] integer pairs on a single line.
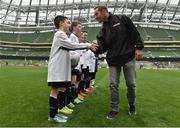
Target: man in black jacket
[[123, 44]]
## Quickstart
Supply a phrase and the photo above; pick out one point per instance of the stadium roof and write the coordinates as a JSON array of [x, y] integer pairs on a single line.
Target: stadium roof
[[39, 14]]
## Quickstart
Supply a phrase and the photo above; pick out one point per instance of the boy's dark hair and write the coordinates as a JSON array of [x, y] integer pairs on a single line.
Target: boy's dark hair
[[101, 8], [59, 18], [74, 24]]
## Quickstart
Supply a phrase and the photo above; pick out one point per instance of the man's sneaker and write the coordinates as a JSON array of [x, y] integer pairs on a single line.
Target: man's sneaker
[[64, 111], [71, 105], [58, 119], [132, 110], [111, 115]]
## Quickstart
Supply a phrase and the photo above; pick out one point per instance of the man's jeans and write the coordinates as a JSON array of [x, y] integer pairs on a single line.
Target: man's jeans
[[130, 77]]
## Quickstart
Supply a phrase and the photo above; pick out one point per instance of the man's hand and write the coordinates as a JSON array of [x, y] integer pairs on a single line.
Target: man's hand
[[94, 47], [138, 54]]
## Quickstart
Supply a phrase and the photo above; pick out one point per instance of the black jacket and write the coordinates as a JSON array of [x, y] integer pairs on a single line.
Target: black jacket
[[119, 37]]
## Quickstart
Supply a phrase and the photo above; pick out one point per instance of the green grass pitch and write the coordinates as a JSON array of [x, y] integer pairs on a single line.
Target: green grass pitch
[[24, 100]]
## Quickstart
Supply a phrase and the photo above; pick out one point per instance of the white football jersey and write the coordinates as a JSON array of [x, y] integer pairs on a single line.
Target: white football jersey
[[59, 66], [73, 37]]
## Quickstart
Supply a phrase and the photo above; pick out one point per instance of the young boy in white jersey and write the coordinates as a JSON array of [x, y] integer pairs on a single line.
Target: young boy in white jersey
[[88, 65], [76, 72], [84, 69], [59, 66]]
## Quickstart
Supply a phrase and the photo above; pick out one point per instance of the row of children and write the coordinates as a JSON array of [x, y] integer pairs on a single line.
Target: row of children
[[71, 68]]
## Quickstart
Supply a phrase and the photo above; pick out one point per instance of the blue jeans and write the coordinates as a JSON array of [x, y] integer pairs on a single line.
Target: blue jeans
[[130, 78]]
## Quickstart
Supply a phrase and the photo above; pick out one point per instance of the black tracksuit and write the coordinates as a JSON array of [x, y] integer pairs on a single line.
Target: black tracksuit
[[119, 37]]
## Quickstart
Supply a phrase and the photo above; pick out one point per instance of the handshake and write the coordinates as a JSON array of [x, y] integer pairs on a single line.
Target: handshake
[[93, 47]]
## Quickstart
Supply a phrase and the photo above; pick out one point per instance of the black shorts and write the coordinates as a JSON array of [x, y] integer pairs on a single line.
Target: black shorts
[[92, 75], [85, 71], [77, 73], [59, 84]]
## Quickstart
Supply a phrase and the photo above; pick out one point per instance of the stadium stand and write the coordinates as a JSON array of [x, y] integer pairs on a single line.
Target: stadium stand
[[45, 37], [32, 33], [32, 44]]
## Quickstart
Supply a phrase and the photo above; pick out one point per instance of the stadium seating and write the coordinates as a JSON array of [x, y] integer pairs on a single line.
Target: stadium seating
[[38, 44], [46, 37]]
